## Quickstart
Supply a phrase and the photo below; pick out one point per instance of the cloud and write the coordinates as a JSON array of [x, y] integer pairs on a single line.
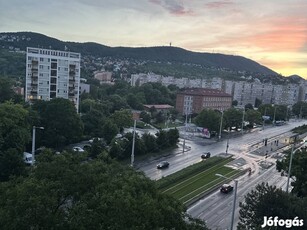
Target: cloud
[[173, 7], [218, 4]]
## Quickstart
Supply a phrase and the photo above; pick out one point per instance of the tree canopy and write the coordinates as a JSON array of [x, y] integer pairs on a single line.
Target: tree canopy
[[269, 201], [65, 192]]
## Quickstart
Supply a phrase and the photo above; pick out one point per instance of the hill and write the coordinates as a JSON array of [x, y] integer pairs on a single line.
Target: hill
[[21, 40]]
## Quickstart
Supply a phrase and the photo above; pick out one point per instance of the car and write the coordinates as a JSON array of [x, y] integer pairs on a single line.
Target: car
[[77, 149], [27, 158], [205, 155], [226, 188], [94, 138], [163, 164]]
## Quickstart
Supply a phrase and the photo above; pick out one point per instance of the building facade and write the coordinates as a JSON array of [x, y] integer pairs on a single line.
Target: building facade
[[194, 100], [51, 74]]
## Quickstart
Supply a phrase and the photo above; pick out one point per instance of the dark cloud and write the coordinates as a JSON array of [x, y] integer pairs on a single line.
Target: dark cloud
[[173, 7]]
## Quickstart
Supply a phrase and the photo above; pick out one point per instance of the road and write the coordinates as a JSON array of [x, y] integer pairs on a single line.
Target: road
[[238, 147], [248, 150]]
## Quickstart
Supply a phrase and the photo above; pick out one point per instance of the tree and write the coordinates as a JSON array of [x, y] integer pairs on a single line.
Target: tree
[[253, 117], [145, 116], [298, 171], [6, 91], [209, 119], [248, 106], [173, 136], [150, 143], [300, 109], [109, 130], [233, 118], [122, 118], [65, 192], [61, 122], [93, 122], [269, 201], [14, 127]]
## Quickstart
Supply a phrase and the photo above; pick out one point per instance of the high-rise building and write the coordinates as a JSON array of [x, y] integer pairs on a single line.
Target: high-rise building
[[51, 74]]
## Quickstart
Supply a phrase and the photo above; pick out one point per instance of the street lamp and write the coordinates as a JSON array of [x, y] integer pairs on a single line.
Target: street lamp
[[234, 199], [274, 114], [243, 121], [133, 144], [264, 117], [220, 134], [185, 130], [33, 142], [290, 165]]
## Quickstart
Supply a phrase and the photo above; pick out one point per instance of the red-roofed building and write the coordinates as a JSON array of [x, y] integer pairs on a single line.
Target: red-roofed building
[[194, 100]]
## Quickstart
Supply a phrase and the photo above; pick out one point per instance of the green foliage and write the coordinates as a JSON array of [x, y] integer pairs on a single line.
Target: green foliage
[[209, 119], [300, 130], [298, 171], [109, 130], [269, 201], [6, 91], [122, 118], [11, 164], [190, 171], [233, 118], [14, 127], [299, 109], [253, 117], [12, 64], [61, 122], [63, 192]]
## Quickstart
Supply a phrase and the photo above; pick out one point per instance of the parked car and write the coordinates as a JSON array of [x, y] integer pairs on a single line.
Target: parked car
[[205, 155], [163, 164], [78, 149], [226, 188], [27, 158], [94, 138]]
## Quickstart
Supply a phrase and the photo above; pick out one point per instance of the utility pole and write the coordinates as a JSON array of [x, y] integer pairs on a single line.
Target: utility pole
[[220, 134], [243, 121], [185, 131], [227, 145], [133, 143]]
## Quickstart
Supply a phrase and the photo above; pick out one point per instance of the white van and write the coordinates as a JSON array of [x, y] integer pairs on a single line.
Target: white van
[[27, 158]]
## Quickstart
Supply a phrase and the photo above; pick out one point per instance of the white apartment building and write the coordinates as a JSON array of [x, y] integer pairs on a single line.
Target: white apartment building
[[51, 74]]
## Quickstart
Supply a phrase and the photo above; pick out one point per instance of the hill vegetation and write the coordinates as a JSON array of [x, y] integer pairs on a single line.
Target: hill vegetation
[[21, 40]]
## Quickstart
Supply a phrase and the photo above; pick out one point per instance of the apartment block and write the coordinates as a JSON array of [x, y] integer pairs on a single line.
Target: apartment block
[[51, 74]]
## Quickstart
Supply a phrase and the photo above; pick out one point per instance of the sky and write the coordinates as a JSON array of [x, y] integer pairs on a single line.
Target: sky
[[270, 32]]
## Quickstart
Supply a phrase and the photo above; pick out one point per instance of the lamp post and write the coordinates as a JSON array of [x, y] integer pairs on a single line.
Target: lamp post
[[220, 134], [264, 118], [290, 165], [243, 121], [33, 142], [185, 130], [234, 199], [133, 144], [274, 114], [227, 143]]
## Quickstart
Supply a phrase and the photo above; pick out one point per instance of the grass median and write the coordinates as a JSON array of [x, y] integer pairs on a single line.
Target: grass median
[[196, 179]]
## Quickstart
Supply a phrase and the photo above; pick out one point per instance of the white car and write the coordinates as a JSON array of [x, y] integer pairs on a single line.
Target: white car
[[78, 149], [27, 158]]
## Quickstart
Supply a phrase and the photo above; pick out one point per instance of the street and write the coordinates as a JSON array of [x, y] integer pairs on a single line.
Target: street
[[248, 150]]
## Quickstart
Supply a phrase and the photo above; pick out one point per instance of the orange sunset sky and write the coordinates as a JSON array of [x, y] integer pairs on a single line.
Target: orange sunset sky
[[271, 32]]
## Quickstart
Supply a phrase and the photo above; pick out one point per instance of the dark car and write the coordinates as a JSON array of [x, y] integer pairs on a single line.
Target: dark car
[[205, 155], [226, 188], [163, 164]]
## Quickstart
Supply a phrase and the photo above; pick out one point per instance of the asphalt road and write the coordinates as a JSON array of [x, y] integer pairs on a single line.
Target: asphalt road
[[248, 150]]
